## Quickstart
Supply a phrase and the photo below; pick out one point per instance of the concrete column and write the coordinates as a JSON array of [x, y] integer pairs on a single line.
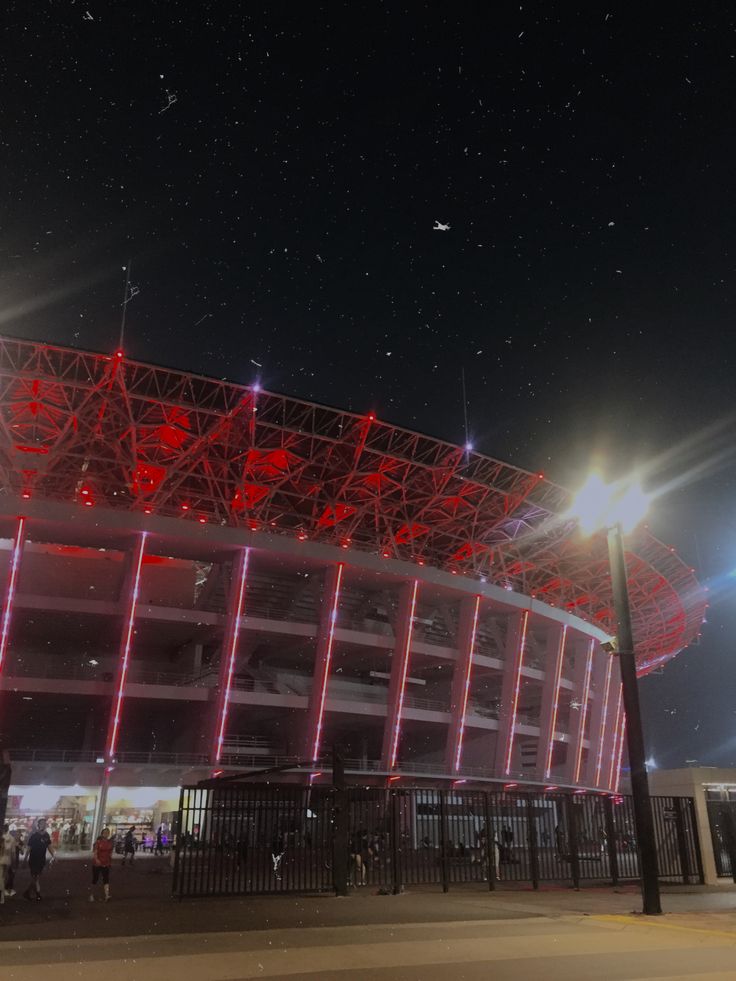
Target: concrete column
[[312, 738], [582, 677], [13, 570], [510, 691], [399, 672], [599, 712], [129, 594], [550, 699], [613, 727], [467, 629], [228, 655]]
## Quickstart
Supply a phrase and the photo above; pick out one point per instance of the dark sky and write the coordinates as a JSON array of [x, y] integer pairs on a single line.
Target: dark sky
[[275, 173]]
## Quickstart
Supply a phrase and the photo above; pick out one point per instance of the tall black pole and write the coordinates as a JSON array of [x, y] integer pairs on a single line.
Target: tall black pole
[[645, 840]]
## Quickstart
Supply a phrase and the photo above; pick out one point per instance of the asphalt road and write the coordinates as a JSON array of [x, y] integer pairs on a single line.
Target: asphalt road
[[569, 948]]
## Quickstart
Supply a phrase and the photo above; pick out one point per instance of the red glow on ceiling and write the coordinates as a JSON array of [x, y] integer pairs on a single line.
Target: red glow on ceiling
[[408, 533], [41, 450], [270, 463], [147, 478], [248, 496], [468, 550], [157, 560], [334, 513]]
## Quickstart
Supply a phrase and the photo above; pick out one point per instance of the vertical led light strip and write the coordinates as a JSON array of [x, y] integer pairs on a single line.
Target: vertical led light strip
[[616, 734], [604, 719], [515, 703], [556, 702], [9, 595], [620, 752], [584, 710], [127, 637], [466, 689], [232, 653], [326, 664], [404, 672]]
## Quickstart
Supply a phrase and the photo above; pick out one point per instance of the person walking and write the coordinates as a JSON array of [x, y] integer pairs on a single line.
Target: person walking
[[159, 849], [39, 844], [101, 863], [129, 844], [8, 851]]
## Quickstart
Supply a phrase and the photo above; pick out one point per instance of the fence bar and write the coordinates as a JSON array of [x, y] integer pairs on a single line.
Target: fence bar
[[572, 834], [681, 840], [611, 842], [443, 841], [532, 839]]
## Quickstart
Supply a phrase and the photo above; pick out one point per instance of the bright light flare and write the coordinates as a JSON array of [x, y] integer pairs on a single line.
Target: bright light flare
[[600, 505]]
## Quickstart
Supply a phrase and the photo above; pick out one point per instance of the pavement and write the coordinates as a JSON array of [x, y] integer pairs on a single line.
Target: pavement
[[422, 935]]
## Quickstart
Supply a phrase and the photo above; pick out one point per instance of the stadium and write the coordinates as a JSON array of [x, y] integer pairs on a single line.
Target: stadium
[[199, 576]]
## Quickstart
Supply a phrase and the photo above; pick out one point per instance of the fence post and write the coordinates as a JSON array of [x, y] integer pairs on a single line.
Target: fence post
[[572, 838], [443, 842], [696, 840], [340, 841], [729, 827], [395, 841], [5, 774], [490, 845], [532, 835], [611, 840], [681, 839], [177, 846]]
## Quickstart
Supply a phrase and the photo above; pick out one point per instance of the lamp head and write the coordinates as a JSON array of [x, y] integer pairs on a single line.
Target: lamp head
[[600, 505]]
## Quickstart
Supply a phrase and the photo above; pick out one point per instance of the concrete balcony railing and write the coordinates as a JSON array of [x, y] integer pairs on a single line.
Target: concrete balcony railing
[[103, 672], [242, 761]]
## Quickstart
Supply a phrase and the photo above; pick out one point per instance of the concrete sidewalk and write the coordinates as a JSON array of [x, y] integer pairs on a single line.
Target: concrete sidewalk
[[142, 905]]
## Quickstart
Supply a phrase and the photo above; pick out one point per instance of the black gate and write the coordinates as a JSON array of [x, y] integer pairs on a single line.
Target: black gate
[[255, 839], [239, 839], [722, 819]]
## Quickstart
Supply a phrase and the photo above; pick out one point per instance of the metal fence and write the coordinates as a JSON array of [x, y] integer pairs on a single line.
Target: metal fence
[[722, 819], [241, 839]]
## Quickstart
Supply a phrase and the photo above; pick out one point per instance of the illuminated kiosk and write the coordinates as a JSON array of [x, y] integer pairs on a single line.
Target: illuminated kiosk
[[198, 575]]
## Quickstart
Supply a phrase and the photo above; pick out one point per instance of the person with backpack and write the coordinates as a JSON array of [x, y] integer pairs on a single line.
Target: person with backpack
[[129, 844]]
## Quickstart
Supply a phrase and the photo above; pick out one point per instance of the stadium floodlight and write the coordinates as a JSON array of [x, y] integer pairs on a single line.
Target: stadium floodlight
[[599, 505]]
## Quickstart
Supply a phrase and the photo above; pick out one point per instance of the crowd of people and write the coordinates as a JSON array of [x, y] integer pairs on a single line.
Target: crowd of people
[[38, 851]]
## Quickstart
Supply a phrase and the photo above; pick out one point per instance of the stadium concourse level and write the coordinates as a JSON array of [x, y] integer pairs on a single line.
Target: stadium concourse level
[[197, 574]]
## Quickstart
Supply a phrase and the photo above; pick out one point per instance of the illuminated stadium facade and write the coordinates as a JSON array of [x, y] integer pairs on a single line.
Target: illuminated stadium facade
[[198, 575]]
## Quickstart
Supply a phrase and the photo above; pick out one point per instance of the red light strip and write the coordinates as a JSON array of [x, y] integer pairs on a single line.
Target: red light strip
[[466, 690], [112, 745], [556, 702], [232, 655], [9, 595], [404, 672], [327, 661], [620, 752], [584, 710], [616, 735], [604, 719], [515, 704]]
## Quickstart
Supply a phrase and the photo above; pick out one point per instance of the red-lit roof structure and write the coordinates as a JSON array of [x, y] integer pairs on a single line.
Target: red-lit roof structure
[[112, 433]]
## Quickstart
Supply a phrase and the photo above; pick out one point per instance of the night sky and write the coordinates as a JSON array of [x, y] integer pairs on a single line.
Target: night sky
[[275, 174]]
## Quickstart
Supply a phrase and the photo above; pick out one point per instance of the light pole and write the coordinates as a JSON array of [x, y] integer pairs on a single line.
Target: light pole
[[618, 508]]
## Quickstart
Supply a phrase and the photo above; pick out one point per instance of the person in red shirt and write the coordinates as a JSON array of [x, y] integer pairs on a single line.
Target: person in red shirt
[[101, 862]]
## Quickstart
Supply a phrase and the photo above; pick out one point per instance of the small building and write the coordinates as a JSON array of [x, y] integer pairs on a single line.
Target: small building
[[714, 791]]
